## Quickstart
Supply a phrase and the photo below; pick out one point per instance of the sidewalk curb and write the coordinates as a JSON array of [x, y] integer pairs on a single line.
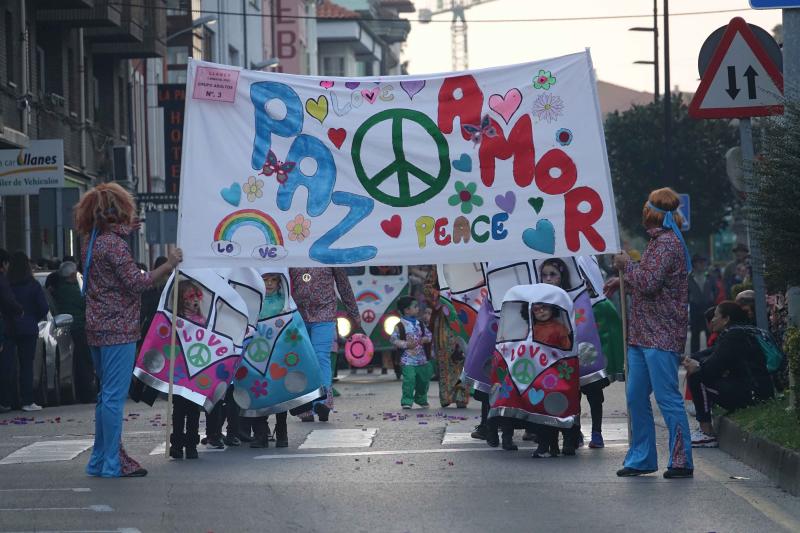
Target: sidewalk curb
[[778, 463]]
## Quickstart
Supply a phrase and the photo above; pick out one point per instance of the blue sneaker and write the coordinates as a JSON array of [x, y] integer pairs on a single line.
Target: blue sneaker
[[597, 440]]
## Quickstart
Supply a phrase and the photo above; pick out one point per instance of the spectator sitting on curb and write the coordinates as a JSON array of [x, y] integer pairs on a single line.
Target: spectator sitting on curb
[[733, 376]]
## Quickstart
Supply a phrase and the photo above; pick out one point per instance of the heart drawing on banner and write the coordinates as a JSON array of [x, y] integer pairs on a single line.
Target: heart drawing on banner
[[370, 95], [388, 289], [412, 87], [541, 239], [463, 163], [392, 226], [351, 84], [506, 202], [507, 105], [337, 136], [317, 108], [535, 396], [232, 194], [276, 371], [326, 84], [536, 204]]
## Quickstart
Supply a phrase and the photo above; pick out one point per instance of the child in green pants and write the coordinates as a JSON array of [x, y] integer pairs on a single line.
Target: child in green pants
[[414, 340]]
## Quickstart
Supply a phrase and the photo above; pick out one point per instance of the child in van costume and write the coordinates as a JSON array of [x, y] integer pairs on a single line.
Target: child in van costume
[[533, 382]]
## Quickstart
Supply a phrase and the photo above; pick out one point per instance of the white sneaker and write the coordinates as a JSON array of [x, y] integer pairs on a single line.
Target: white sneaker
[[31, 407], [700, 439]]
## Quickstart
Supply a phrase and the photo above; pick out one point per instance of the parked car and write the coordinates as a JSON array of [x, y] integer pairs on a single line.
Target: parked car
[[53, 363]]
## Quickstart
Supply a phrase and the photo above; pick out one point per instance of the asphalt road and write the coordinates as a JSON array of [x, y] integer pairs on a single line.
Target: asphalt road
[[405, 479]]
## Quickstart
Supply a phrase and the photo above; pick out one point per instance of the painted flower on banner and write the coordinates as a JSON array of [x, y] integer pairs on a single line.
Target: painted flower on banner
[[580, 315], [259, 388], [548, 107], [564, 137], [299, 228], [253, 188], [565, 371], [544, 80], [465, 195]]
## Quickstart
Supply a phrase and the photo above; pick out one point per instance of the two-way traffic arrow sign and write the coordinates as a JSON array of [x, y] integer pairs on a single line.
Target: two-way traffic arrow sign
[[739, 62]]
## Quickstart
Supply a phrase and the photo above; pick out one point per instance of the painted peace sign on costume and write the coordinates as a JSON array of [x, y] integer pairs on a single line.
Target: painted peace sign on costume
[[401, 167], [523, 371], [198, 355], [258, 350]]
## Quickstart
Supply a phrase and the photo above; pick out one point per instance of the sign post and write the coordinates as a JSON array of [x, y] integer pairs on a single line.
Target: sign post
[[742, 81]]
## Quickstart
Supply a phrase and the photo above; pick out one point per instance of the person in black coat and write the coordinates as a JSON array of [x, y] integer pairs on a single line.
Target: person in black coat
[[24, 331], [10, 309], [733, 374]]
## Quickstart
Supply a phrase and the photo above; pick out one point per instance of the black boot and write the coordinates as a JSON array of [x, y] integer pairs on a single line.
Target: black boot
[[281, 431], [508, 440], [492, 439], [176, 441], [191, 442], [260, 434]]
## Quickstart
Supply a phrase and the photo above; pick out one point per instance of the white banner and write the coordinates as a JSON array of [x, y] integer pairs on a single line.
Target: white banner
[[26, 170], [485, 165]]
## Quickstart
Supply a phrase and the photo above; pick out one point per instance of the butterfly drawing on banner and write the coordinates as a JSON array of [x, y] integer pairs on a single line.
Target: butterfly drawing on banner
[[273, 166], [477, 132]]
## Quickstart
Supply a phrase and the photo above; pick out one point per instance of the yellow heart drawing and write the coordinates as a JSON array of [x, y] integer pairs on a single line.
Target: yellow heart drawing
[[317, 108]]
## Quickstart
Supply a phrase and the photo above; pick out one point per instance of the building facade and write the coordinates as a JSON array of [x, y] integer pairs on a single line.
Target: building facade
[[75, 70]]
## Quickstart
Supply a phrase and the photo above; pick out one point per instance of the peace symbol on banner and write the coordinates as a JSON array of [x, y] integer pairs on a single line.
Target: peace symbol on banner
[[401, 167]]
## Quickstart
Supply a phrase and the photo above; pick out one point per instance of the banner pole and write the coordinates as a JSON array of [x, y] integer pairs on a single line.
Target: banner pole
[[172, 343], [623, 307]]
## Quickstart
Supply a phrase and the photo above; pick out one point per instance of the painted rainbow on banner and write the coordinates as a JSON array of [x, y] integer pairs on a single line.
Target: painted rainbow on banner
[[249, 217]]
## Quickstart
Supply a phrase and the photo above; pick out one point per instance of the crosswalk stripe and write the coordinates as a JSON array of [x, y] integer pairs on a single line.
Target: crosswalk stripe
[[339, 438], [47, 451]]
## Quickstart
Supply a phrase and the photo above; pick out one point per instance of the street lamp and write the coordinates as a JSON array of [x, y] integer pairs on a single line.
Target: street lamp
[[654, 62], [205, 20], [267, 63]]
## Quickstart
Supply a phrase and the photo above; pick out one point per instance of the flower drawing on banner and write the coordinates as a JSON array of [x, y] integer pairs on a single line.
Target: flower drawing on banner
[[465, 195], [548, 107], [259, 388], [544, 80], [565, 371], [253, 188], [580, 315], [299, 228]]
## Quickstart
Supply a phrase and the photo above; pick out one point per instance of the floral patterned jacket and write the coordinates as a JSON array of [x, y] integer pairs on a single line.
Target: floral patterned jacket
[[659, 286], [313, 292], [113, 288]]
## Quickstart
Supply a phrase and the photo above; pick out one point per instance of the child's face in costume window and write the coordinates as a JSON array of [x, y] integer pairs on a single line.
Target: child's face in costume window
[[191, 299], [551, 275], [271, 284], [542, 312]]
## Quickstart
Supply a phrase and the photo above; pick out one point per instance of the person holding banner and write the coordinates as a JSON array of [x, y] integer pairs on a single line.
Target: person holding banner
[[314, 293], [657, 337], [113, 284]]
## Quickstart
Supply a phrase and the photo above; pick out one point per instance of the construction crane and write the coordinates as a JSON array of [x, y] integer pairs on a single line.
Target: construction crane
[[458, 28]]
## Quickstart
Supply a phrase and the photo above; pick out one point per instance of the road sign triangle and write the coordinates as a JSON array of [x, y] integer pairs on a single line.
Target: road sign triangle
[[741, 80]]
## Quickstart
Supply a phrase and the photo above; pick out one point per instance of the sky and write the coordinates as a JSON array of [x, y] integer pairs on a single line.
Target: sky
[[613, 47]]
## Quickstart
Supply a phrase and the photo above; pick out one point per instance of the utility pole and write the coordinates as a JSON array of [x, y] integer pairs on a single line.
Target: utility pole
[[668, 177], [26, 109]]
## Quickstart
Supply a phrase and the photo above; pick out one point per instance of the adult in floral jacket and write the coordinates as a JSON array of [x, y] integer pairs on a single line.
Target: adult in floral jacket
[[658, 285], [113, 284]]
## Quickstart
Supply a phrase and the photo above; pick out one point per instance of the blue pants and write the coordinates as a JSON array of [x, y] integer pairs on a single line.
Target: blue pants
[[651, 370], [322, 335], [113, 366]]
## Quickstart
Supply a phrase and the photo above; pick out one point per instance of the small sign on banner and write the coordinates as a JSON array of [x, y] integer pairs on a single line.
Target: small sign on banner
[[218, 84]]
